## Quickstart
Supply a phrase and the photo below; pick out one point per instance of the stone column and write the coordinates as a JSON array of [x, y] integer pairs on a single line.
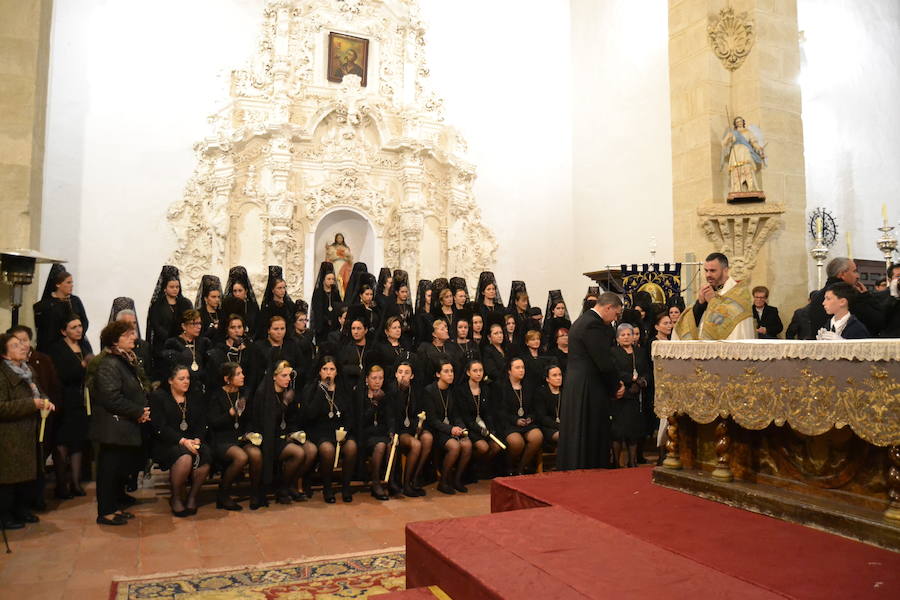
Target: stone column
[[760, 83], [25, 51]]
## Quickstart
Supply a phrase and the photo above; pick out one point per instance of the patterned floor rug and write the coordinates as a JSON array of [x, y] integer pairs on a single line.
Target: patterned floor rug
[[327, 578]]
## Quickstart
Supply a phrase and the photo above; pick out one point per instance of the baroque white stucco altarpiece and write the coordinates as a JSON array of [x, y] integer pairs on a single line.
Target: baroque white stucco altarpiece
[[290, 147]]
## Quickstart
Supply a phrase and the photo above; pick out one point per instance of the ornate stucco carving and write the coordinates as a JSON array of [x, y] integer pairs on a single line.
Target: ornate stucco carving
[[739, 232], [731, 36], [289, 147]]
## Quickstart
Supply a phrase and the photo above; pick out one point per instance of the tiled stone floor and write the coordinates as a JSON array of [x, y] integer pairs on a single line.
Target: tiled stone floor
[[68, 556]]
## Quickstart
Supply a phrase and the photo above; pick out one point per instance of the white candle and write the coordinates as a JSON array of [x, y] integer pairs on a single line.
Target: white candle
[[849, 245], [884, 213]]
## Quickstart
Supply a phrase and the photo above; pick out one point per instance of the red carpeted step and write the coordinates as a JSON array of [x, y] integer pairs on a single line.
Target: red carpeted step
[[556, 554], [797, 561]]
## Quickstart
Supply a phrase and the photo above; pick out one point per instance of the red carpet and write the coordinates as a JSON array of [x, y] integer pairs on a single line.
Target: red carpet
[[608, 534]]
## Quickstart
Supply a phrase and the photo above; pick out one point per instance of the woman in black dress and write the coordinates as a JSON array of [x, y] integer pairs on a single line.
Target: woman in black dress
[[365, 308], [494, 355], [276, 346], [515, 415], [239, 293], [70, 356], [415, 442], [535, 362], [179, 439], [327, 407], [401, 308], [519, 308], [628, 420], [423, 318], [557, 316], [190, 349], [275, 302], [487, 299], [509, 333], [355, 353], [443, 421], [209, 303], [324, 300], [167, 306], [236, 348], [478, 333], [391, 349], [560, 352], [275, 413], [226, 429], [55, 306], [547, 404], [460, 294], [444, 309], [432, 353], [377, 425], [384, 289], [462, 348], [473, 406]]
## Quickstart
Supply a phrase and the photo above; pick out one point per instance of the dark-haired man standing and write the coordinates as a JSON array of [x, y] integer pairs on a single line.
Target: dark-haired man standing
[[723, 310]]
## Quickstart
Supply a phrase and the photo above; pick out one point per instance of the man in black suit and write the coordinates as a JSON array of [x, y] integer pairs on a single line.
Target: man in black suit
[[799, 328], [843, 325], [866, 306], [591, 383], [768, 323]]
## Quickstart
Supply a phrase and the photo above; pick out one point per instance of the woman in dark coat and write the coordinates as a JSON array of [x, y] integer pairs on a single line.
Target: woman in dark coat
[[20, 404], [328, 406], [70, 356], [443, 421], [118, 407], [178, 420], [227, 426], [591, 380], [55, 305], [515, 415], [167, 306], [628, 418]]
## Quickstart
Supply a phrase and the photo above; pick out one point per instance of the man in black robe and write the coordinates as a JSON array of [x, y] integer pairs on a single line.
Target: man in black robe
[[591, 381]]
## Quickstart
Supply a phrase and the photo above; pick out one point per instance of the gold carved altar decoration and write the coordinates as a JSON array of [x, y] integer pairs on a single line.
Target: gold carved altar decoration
[[290, 147], [739, 232], [811, 395], [731, 37]]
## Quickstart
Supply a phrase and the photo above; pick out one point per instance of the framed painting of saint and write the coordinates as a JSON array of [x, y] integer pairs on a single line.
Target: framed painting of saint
[[347, 55]]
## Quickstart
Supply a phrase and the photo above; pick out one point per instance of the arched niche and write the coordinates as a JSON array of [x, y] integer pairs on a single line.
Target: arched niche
[[359, 235]]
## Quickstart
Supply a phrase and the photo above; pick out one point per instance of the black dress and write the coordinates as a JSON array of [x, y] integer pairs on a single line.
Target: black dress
[[271, 309], [534, 368], [440, 413], [377, 418], [404, 313], [423, 326], [389, 356], [177, 351], [429, 358], [591, 380], [547, 407], [353, 361], [274, 415], [163, 322], [272, 355], [50, 314], [408, 405], [628, 418], [463, 352], [470, 409], [72, 420], [249, 357], [166, 418], [212, 324], [510, 403], [494, 363], [323, 319], [561, 358], [224, 429], [322, 418]]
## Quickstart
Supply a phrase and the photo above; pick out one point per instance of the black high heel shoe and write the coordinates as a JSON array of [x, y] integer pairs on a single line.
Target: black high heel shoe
[[378, 493], [226, 502], [346, 493], [328, 494]]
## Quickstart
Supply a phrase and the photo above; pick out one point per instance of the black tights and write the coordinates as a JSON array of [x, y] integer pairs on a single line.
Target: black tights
[[181, 470], [520, 451], [296, 461], [412, 447], [618, 447], [67, 461], [326, 462], [378, 453], [238, 458], [456, 452]]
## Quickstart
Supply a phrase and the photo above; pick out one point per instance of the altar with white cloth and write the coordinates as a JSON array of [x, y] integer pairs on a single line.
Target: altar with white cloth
[[807, 431]]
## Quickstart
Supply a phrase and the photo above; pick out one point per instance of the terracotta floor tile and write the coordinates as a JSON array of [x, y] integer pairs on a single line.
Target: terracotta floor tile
[[31, 591]]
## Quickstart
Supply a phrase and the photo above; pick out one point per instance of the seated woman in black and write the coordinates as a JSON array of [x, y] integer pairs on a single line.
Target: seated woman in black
[[535, 362], [276, 346], [327, 407], [443, 421], [190, 349], [275, 414], [415, 443], [431, 353], [377, 425], [494, 355], [391, 350], [355, 353], [547, 404], [473, 406], [462, 348], [515, 417], [178, 425], [225, 407], [628, 423]]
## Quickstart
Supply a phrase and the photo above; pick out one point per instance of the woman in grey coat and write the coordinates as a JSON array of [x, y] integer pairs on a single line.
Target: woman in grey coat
[[119, 397]]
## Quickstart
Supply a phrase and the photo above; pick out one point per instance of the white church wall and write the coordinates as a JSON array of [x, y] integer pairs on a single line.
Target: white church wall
[[850, 81]]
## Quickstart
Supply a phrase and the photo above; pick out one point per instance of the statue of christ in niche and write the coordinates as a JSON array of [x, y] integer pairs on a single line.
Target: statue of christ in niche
[[338, 254]]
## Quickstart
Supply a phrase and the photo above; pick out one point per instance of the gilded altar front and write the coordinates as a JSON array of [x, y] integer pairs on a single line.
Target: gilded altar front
[[818, 421]]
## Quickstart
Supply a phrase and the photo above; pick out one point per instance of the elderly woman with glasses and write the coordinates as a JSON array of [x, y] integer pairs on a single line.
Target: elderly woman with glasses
[[190, 349]]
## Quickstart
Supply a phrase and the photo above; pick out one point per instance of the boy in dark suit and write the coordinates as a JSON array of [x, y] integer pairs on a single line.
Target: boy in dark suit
[[843, 325]]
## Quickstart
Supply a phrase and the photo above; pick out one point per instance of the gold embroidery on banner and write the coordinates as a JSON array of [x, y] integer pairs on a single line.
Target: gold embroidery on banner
[[810, 402]]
